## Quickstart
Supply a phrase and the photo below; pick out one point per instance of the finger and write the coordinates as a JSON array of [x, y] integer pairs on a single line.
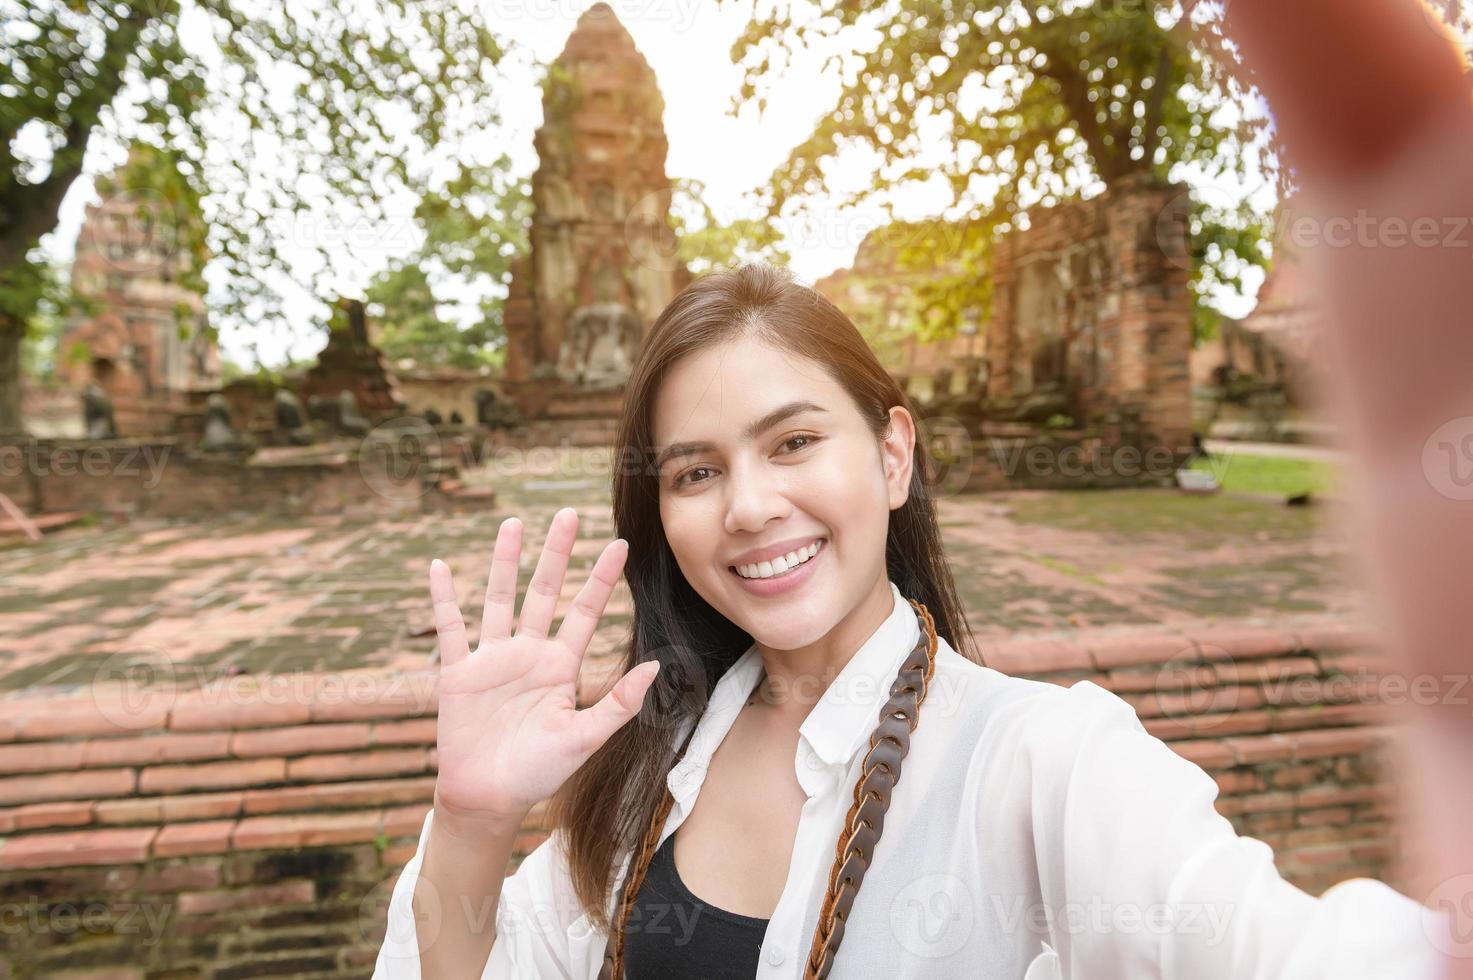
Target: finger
[[612, 711], [588, 608], [501, 584], [449, 626], [546, 586]]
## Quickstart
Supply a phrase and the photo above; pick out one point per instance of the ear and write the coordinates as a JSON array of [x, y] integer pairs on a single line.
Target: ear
[[897, 452]]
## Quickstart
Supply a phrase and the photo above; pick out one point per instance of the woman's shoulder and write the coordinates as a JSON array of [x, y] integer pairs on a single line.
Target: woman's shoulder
[[1014, 712]]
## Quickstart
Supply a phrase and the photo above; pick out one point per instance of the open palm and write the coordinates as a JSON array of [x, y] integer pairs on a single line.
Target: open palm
[[510, 732]]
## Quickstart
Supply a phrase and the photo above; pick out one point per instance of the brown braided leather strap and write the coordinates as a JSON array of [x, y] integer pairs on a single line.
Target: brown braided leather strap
[[888, 745], [878, 775], [614, 952]]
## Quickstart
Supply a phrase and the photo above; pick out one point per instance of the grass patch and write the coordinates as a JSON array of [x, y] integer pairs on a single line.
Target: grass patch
[[1067, 568], [1200, 520], [1274, 475]]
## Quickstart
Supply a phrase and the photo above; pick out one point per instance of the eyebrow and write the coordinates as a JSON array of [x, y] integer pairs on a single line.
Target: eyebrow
[[755, 429]]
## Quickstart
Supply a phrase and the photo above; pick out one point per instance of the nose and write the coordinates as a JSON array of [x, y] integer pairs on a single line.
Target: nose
[[755, 495]]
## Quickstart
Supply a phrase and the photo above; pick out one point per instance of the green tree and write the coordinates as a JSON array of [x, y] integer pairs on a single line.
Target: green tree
[[408, 324], [264, 108], [473, 231], [705, 242], [1032, 104], [41, 354]]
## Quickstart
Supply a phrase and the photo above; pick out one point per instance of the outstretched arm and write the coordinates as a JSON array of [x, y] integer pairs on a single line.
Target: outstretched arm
[[1143, 878], [1371, 98]]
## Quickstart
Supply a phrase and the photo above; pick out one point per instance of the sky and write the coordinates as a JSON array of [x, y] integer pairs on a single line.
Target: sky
[[688, 45]]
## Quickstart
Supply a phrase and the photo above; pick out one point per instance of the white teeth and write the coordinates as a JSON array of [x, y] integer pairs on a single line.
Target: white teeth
[[767, 569]]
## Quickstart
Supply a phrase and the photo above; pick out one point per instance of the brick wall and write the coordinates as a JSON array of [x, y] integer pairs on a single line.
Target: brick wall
[[166, 478], [256, 827], [251, 828], [1095, 273]]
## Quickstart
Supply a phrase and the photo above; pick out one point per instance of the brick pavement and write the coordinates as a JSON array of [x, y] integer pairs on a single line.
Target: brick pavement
[[201, 600]]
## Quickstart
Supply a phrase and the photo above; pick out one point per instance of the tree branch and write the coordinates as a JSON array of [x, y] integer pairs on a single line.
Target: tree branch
[[1074, 94], [33, 208], [1157, 103]]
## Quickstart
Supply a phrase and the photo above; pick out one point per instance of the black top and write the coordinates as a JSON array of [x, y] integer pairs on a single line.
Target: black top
[[672, 933]]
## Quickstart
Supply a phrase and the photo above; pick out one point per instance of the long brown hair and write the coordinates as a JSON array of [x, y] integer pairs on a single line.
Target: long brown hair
[[605, 808]]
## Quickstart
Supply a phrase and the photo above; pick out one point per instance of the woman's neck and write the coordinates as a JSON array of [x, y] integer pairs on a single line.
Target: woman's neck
[[793, 681]]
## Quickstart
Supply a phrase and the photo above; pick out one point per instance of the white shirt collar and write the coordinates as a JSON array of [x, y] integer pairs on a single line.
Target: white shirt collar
[[838, 724]]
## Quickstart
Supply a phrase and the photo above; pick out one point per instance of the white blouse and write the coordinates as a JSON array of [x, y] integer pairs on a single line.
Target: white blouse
[[1037, 832]]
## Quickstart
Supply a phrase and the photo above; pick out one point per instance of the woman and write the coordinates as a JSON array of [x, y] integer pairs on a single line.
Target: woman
[[1036, 831]]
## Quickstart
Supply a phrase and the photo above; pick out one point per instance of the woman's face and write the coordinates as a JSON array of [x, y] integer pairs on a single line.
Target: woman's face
[[776, 459]]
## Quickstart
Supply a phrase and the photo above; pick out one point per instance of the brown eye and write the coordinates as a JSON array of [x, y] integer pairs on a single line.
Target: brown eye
[[807, 441], [681, 480]]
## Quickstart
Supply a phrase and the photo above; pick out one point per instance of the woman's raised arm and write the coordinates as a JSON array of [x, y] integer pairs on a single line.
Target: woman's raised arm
[[1372, 99], [509, 733]]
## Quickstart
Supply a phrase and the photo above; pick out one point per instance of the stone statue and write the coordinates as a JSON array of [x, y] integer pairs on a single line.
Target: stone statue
[[348, 418], [1051, 394], [291, 420], [352, 311], [486, 405], [220, 436], [493, 412], [97, 410], [941, 384], [966, 406], [322, 409], [602, 341]]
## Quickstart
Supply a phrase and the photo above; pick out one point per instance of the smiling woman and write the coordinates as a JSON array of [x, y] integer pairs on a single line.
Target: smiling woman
[[787, 494], [742, 813]]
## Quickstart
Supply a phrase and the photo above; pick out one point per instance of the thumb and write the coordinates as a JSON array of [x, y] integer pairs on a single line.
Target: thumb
[[612, 711]]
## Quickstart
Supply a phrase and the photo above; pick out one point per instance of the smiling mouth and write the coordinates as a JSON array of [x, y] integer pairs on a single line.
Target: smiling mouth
[[812, 552]]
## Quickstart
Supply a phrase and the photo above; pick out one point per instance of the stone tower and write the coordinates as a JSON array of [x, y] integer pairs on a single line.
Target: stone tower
[[602, 263], [131, 263]]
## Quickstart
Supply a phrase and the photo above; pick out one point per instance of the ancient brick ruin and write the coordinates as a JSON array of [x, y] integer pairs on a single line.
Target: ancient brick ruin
[[145, 342], [602, 263], [350, 362], [1084, 380], [1092, 316]]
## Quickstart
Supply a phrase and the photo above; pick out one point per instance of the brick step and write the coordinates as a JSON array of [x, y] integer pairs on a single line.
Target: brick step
[[241, 802], [164, 780], [290, 742], [243, 702], [132, 845]]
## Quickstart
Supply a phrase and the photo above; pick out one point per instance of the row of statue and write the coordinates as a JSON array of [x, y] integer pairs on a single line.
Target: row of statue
[[294, 423]]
